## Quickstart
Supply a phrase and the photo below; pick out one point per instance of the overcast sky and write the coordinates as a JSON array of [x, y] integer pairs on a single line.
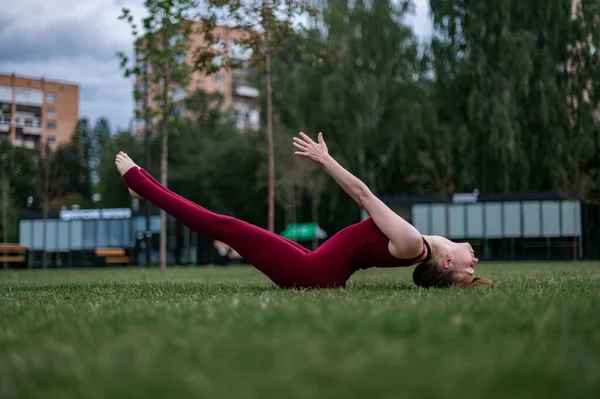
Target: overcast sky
[[76, 40]]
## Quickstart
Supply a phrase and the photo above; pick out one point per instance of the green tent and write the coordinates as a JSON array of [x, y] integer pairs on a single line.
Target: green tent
[[303, 231]]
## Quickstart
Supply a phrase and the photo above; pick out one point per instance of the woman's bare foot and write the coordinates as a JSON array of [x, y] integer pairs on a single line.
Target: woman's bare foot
[[124, 163]]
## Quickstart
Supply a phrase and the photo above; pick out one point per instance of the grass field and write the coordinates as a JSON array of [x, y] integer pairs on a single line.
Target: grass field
[[230, 333]]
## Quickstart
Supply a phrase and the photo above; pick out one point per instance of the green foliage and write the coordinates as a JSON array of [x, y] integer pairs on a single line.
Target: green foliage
[[111, 187], [213, 164], [230, 333], [17, 171], [362, 96], [264, 27], [161, 42], [507, 75], [500, 99]]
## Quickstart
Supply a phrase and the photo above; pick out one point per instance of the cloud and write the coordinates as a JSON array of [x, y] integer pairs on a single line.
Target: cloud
[[74, 41]]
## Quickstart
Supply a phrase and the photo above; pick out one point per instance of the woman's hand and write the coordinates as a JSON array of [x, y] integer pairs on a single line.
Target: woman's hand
[[309, 149]]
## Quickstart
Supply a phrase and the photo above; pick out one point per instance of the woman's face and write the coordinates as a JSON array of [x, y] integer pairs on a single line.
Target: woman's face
[[462, 263]]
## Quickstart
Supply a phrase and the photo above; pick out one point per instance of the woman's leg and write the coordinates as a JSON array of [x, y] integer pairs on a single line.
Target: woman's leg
[[157, 184], [281, 261]]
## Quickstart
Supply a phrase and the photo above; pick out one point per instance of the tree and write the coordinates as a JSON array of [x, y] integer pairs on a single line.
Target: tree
[[100, 145], [501, 83], [357, 79], [79, 154], [264, 26], [577, 174], [161, 47], [112, 189], [52, 181], [18, 169], [7, 164], [17, 186]]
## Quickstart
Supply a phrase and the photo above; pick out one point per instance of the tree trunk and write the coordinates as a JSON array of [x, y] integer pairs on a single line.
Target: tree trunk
[[575, 246], [163, 215], [4, 211], [314, 217], [164, 159], [271, 152], [46, 201]]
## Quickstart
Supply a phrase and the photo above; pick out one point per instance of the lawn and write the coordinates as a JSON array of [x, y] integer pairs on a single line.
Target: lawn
[[230, 333]]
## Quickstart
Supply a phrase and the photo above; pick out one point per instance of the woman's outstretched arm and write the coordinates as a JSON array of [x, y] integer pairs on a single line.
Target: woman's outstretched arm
[[405, 239]]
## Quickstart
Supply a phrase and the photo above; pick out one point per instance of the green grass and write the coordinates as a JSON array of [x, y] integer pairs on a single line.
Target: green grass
[[230, 333]]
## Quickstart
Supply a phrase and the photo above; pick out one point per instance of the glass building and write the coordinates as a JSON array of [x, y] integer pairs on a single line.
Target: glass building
[[71, 237], [510, 226]]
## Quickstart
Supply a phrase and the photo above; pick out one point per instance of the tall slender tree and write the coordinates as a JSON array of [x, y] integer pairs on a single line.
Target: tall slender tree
[[265, 26], [161, 45]]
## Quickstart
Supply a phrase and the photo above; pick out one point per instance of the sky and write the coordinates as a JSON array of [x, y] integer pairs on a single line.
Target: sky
[[77, 41]]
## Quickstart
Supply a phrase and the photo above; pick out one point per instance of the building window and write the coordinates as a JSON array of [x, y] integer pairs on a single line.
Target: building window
[[178, 94], [51, 112], [179, 110], [180, 59], [141, 87], [219, 79], [51, 98], [177, 40], [51, 125], [51, 140]]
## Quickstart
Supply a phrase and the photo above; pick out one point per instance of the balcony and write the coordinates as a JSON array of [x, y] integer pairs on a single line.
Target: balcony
[[246, 91], [4, 124], [246, 118], [30, 144], [29, 124]]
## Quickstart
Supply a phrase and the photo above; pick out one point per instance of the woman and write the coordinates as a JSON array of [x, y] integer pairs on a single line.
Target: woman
[[383, 240]]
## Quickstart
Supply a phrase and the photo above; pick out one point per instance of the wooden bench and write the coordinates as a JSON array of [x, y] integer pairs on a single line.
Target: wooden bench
[[13, 253], [113, 255]]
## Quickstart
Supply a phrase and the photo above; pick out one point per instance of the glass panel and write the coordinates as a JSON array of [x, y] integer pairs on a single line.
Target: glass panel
[[155, 224], [116, 238], [76, 235], [531, 219], [128, 238], [102, 226], [475, 220], [551, 219], [457, 221], [493, 220], [51, 235], [420, 218], [38, 235], [438, 217], [571, 223], [139, 224], [512, 219], [63, 236], [89, 234], [25, 237]]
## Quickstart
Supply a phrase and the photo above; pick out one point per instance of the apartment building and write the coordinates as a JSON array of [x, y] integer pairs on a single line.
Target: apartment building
[[240, 97], [36, 111]]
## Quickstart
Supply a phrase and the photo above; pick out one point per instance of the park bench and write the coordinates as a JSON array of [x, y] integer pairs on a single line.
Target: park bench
[[13, 253], [113, 256]]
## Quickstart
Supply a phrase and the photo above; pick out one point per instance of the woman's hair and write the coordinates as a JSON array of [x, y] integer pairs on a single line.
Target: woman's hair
[[431, 274]]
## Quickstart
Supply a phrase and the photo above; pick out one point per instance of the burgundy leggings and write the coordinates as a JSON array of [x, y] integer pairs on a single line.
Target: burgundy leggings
[[285, 262]]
